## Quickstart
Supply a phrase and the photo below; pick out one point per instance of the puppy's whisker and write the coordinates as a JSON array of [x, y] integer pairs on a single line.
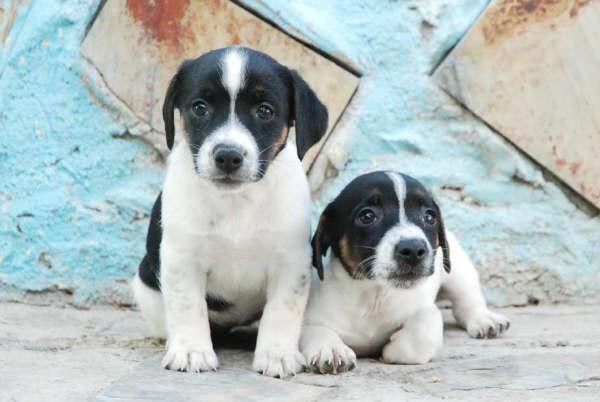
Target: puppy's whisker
[[363, 268], [267, 148]]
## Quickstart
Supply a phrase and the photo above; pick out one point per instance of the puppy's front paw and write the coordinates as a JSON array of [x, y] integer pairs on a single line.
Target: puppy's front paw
[[278, 362], [486, 324], [194, 360], [329, 358]]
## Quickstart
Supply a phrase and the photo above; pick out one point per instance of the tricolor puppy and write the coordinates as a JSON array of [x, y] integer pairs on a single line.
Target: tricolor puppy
[[229, 236], [390, 258]]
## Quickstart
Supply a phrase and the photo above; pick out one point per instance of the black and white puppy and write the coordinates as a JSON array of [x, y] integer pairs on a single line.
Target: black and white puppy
[[229, 236], [390, 259]]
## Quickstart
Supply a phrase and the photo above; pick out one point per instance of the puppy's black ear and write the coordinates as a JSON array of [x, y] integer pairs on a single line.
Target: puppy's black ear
[[169, 105], [309, 114], [322, 239], [442, 239]]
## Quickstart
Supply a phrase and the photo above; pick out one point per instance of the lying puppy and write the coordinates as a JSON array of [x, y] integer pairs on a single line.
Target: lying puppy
[[229, 236], [390, 259]]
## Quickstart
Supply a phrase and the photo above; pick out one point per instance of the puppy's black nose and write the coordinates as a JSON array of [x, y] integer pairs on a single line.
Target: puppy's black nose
[[228, 159], [410, 251]]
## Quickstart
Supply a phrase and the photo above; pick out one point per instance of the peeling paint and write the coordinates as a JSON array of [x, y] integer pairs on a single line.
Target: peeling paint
[[77, 183], [163, 19], [529, 241], [70, 194]]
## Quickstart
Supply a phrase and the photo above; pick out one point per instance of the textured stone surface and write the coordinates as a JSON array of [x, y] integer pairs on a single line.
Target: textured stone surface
[[76, 186], [54, 353], [530, 69]]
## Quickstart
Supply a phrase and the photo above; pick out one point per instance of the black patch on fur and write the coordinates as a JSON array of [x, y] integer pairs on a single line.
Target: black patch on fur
[[370, 190], [215, 303], [310, 115], [374, 191], [149, 269], [265, 80]]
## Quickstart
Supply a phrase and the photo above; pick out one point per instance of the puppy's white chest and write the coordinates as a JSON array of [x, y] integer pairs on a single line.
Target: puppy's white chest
[[236, 238]]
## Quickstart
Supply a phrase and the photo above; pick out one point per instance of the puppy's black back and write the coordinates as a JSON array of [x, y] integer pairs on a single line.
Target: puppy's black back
[[149, 269]]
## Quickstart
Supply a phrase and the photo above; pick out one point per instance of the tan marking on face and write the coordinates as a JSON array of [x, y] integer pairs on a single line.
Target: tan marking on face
[[281, 140], [346, 255]]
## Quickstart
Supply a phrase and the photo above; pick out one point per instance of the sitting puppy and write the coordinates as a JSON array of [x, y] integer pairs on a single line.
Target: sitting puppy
[[390, 258], [229, 236]]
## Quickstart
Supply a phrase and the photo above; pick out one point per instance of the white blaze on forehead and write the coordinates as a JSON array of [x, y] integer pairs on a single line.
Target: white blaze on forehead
[[233, 68], [400, 188], [404, 229], [232, 132]]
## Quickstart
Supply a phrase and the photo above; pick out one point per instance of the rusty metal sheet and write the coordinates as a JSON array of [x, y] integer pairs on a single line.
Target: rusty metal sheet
[[531, 69], [137, 45], [8, 14]]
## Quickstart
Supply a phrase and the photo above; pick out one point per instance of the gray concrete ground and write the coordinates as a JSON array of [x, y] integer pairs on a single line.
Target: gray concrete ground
[[51, 353]]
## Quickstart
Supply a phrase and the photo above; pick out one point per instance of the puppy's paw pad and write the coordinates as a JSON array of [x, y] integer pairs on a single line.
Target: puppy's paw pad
[[330, 359], [279, 363], [192, 360], [487, 324]]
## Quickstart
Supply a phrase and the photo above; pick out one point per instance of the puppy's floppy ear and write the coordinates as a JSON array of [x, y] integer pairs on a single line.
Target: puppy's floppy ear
[[309, 114], [169, 105], [322, 239], [442, 239]]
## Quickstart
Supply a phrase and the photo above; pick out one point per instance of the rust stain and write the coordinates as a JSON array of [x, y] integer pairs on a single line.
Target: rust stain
[[233, 29], [561, 162], [505, 17], [574, 167], [164, 20], [577, 5], [7, 18]]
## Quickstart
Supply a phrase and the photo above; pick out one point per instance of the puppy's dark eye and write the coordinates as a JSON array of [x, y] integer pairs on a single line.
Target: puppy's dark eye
[[366, 217], [430, 217], [264, 111], [200, 108]]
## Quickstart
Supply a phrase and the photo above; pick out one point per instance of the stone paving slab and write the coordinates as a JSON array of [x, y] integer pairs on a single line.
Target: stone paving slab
[[53, 353]]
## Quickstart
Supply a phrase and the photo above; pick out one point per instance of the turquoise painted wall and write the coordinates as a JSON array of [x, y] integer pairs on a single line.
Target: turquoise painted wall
[[74, 193], [73, 199]]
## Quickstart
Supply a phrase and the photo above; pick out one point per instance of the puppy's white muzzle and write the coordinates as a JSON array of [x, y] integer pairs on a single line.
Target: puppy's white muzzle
[[228, 156], [403, 256]]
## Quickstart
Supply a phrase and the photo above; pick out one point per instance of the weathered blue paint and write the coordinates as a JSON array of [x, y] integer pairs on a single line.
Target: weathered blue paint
[[73, 198], [528, 239]]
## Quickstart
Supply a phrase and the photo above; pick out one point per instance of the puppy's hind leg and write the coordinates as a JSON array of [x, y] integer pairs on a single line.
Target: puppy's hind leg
[[463, 289], [150, 303]]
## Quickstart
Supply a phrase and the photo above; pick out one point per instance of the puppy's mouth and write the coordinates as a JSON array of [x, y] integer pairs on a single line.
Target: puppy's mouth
[[408, 277], [228, 182]]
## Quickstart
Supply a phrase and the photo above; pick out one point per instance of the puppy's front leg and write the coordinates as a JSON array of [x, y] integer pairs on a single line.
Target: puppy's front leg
[[189, 347], [276, 353], [464, 291], [419, 340], [324, 350]]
